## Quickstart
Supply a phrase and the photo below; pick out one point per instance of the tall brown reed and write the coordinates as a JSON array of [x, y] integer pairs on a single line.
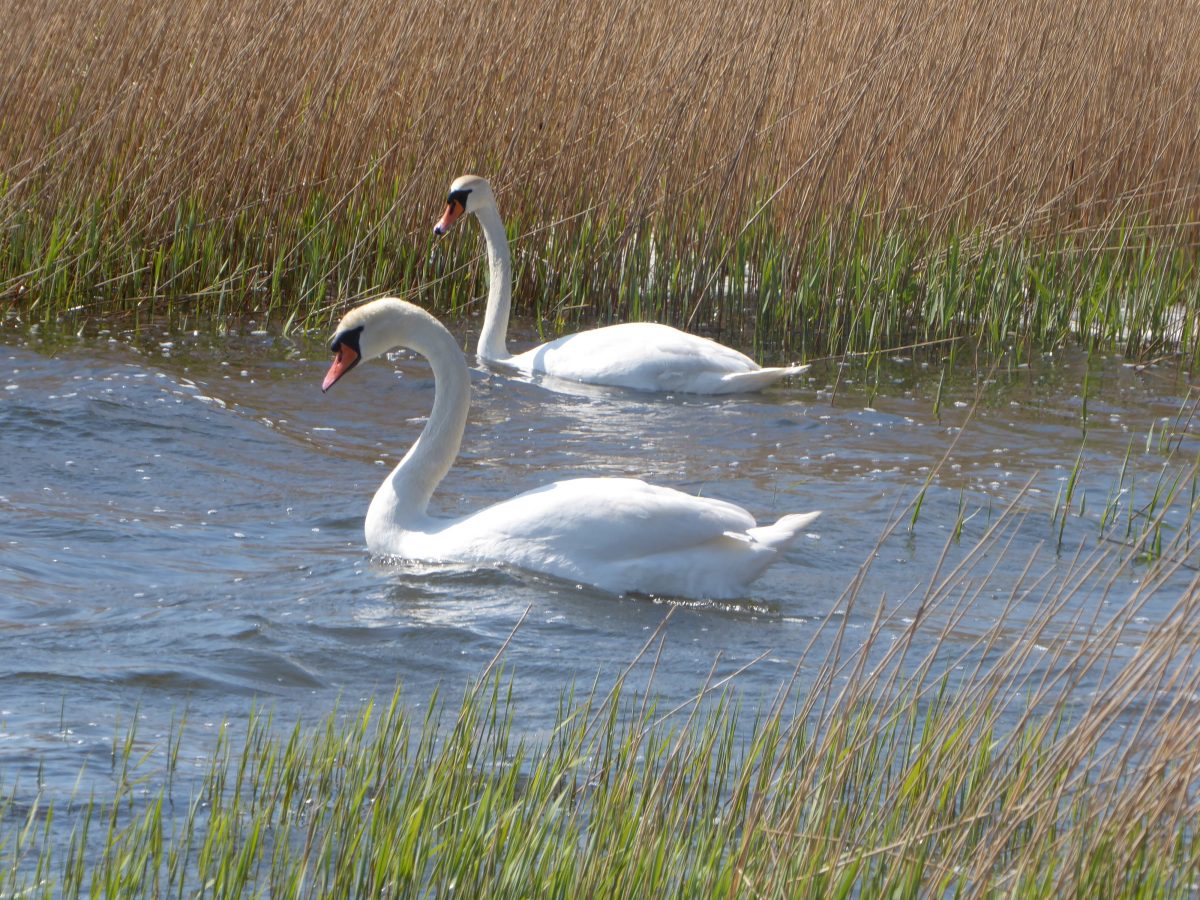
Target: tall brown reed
[[1007, 112], [696, 118]]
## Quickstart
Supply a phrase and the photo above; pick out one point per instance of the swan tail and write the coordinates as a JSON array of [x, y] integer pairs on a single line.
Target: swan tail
[[785, 531], [735, 382]]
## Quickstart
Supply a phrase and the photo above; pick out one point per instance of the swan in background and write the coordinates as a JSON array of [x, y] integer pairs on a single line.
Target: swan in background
[[641, 355], [618, 534]]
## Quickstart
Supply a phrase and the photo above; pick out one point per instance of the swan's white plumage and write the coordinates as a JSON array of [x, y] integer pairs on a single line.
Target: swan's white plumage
[[646, 356], [618, 534], [638, 355]]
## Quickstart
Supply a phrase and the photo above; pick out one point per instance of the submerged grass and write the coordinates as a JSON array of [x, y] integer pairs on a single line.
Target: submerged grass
[[1057, 756], [808, 182]]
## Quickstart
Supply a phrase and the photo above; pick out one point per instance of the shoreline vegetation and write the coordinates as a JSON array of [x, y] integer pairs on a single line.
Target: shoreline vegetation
[[801, 182], [1056, 757]]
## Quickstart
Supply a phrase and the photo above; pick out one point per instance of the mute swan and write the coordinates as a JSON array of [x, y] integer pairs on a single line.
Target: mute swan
[[619, 534], [639, 355]]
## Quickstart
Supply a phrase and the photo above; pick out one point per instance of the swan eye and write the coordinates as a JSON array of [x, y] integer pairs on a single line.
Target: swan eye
[[458, 197], [349, 338]]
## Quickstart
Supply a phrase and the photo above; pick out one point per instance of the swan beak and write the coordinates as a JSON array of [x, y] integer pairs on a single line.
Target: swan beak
[[454, 209], [343, 361]]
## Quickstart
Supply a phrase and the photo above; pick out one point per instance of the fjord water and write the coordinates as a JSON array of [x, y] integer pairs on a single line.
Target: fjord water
[[181, 531]]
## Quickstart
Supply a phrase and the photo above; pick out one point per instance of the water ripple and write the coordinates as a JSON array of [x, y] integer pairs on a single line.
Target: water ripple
[[184, 532]]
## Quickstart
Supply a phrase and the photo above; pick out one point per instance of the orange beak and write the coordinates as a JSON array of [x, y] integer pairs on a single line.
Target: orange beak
[[343, 361], [454, 211]]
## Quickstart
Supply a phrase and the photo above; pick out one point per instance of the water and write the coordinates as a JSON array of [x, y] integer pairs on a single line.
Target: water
[[181, 526]]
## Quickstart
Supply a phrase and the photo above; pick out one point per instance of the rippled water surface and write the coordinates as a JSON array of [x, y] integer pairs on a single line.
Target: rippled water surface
[[181, 523]]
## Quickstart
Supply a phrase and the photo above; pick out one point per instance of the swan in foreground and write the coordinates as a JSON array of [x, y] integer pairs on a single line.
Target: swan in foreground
[[619, 534], [639, 355]]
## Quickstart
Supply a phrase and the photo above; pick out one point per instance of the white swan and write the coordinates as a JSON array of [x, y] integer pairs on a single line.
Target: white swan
[[619, 534], [641, 355]]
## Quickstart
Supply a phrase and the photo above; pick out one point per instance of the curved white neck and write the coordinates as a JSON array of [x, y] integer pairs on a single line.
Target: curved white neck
[[403, 498], [493, 344]]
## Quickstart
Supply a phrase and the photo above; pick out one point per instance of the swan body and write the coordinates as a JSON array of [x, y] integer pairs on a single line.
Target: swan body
[[617, 534], [646, 356], [638, 355]]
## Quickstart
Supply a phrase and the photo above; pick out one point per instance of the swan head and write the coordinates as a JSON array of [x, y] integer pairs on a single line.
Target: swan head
[[368, 331], [468, 194]]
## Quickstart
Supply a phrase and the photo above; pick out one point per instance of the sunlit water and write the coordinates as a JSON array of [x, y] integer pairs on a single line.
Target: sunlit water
[[181, 525]]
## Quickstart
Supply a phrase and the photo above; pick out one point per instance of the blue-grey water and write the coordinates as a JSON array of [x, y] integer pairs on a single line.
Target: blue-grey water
[[180, 524]]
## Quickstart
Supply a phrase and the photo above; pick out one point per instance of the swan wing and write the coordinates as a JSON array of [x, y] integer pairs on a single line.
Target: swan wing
[[618, 534], [602, 519], [639, 355]]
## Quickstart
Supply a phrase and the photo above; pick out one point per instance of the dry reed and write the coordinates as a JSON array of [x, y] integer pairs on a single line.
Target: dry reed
[[1006, 112], [242, 149]]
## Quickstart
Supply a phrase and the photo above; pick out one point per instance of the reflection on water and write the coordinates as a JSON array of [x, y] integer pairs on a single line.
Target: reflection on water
[[182, 522]]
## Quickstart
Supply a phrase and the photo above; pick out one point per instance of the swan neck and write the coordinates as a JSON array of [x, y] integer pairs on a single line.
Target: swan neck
[[403, 499], [493, 340]]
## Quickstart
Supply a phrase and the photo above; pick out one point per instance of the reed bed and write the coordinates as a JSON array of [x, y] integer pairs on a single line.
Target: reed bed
[[809, 178], [1057, 757]]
